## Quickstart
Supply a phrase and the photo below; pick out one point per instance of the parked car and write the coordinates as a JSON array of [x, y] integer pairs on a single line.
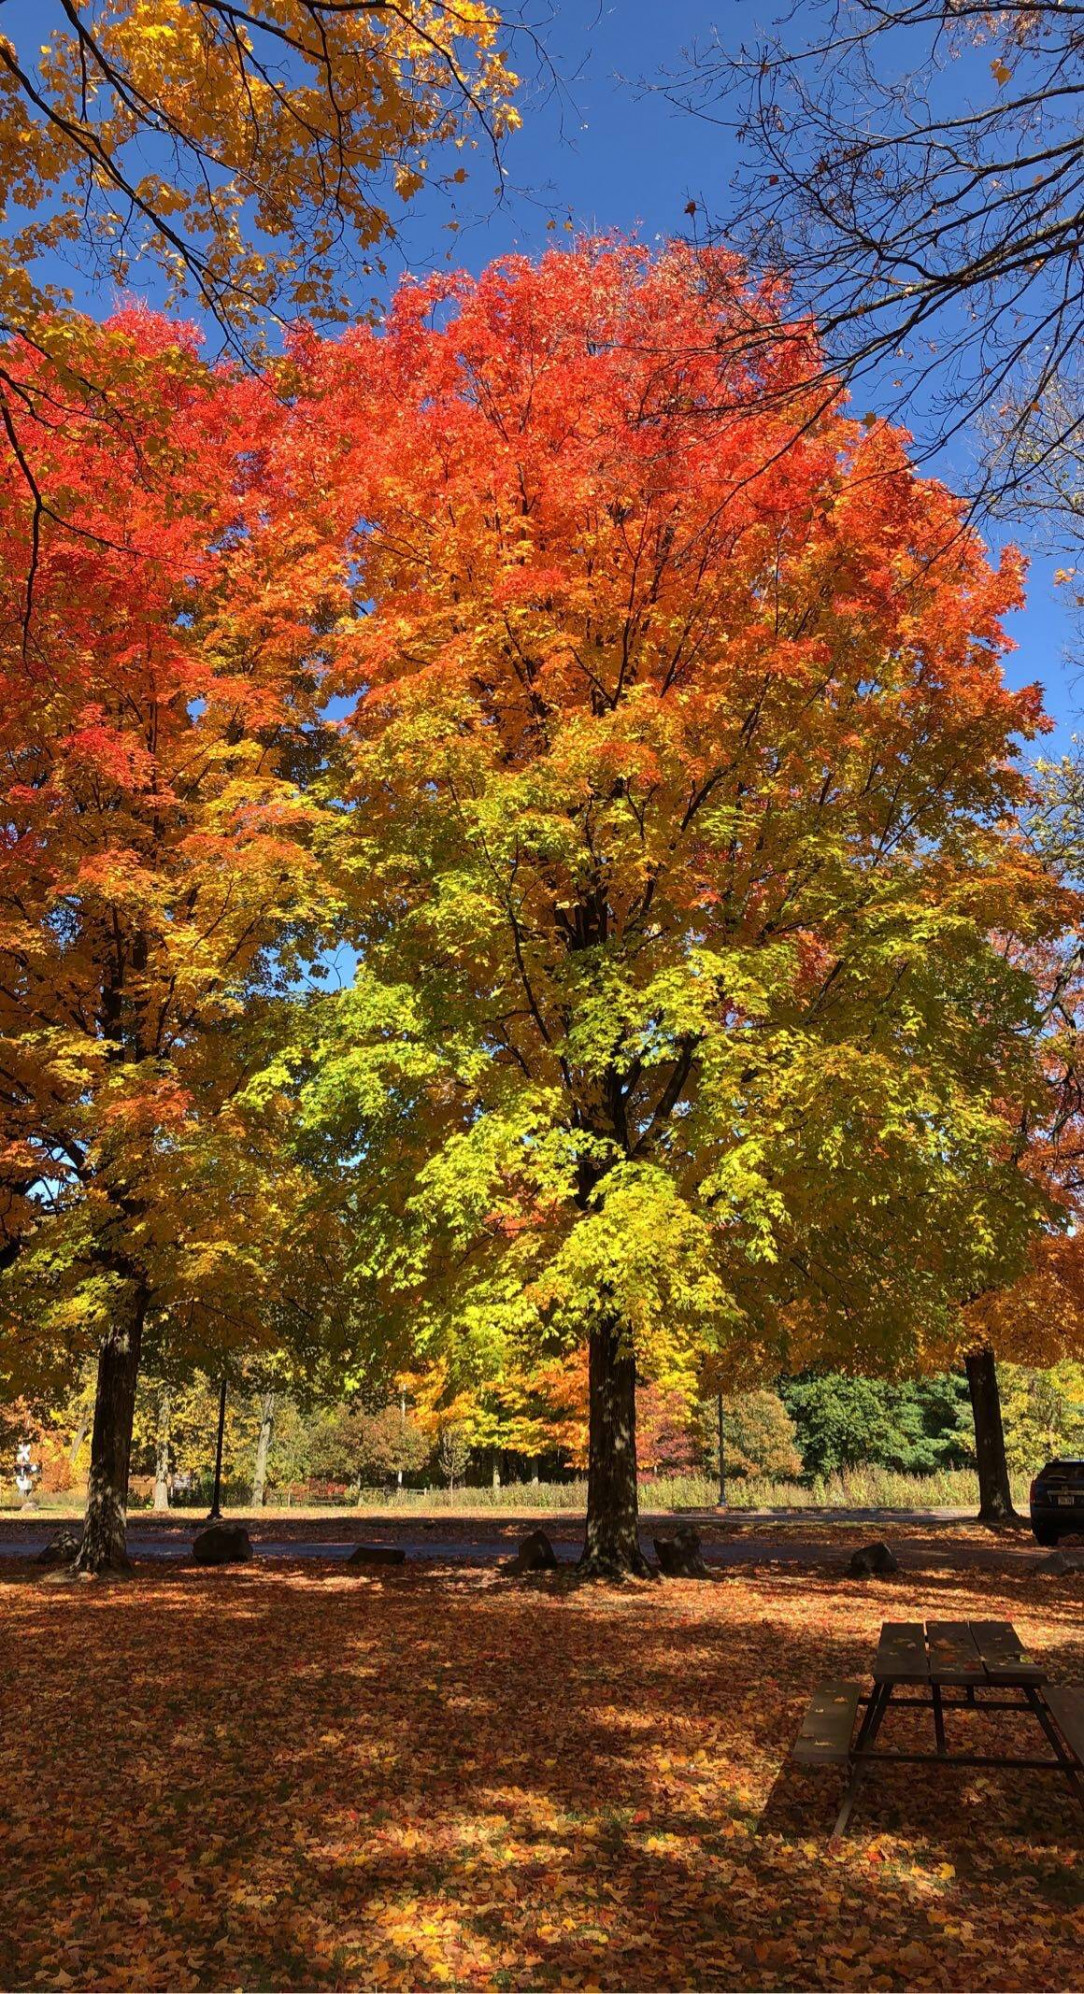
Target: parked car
[[1057, 1500]]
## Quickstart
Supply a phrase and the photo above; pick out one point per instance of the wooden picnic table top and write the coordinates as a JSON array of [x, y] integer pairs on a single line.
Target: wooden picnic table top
[[967, 1653]]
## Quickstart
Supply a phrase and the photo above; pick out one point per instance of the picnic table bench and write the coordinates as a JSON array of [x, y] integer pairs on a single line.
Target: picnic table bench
[[969, 1658]]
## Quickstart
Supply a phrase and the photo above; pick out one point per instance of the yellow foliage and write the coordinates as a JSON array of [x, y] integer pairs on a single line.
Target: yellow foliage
[[278, 124]]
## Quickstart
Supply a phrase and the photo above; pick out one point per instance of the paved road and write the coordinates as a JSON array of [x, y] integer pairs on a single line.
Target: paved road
[[177, 1545], [490, 1542]]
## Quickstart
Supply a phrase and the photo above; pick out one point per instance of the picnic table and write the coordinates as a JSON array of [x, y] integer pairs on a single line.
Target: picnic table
[[981, 1664]]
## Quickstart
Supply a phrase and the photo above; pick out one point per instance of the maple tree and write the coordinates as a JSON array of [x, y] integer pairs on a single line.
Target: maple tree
[[666, 1443], [253, 152], [530, 1412], [1038, 1318], [369, 1448], [253, 156], [758, 1437], [153, 858], [678, 796]]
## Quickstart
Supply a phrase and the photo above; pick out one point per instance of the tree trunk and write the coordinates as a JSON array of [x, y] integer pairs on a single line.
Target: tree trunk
[[103, 1545], [161, 1454], [612, 1545], [78, 1438], [995, 1493], [496, 1469], [263, 1444]]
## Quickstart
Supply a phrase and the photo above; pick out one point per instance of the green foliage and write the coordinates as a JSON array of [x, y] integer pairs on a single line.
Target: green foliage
[[351, 1445], [1043, 1413], [842, 1422], [759, 1437]]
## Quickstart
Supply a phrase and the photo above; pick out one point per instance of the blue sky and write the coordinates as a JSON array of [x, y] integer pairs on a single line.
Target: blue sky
[[601, 152], [622, 157]]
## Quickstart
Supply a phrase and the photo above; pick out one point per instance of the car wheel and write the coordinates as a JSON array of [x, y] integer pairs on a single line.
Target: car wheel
[[1043, 1534]]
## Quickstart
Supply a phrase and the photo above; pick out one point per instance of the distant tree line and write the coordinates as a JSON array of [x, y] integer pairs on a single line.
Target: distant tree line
[[806, 1429]]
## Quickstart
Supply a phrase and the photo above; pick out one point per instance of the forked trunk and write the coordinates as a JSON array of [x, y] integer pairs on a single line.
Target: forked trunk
[[161, 1454], [995, 1492], [259, 1473], [103, 1546], [612, 1545]]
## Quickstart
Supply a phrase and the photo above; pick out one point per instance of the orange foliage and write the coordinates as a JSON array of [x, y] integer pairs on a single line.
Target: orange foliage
[[292, 1777]]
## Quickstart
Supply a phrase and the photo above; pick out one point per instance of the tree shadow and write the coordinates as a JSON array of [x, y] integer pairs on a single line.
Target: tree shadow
[[298, 1777]]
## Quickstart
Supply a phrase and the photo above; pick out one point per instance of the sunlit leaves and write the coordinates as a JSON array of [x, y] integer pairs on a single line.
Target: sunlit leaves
[[156, 876], [681, 780]]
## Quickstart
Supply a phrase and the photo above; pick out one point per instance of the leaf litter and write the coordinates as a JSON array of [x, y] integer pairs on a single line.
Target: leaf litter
[[281, 1776]]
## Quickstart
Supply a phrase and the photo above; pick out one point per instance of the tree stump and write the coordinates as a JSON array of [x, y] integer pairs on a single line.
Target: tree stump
[[535, 1554]]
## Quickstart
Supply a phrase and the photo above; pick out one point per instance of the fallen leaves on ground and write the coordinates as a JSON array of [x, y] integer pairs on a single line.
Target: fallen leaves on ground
[[286, 1776]]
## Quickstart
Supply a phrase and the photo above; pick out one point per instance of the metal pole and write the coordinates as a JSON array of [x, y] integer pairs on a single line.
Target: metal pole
[[722, 1458], [214, 1514]]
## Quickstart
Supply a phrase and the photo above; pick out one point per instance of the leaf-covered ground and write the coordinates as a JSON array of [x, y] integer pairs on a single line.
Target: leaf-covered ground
[[299, 1777]]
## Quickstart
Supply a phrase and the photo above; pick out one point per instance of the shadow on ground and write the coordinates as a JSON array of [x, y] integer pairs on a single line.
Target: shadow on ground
[[285, 1775]]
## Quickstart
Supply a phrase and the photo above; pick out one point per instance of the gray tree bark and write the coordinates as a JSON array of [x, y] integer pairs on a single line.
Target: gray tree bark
[[263, 1444], [161, 1453], [78, 1438]]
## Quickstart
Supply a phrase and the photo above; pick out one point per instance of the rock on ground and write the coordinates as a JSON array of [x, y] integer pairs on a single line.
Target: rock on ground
[[871, 1559], [1063, 1561], [535, 1554], [222, 1544], [680, 1556]]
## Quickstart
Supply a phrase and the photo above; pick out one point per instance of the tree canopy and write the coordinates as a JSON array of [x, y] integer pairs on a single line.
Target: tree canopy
[[156, 890], [254, 152], [679, 788]]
